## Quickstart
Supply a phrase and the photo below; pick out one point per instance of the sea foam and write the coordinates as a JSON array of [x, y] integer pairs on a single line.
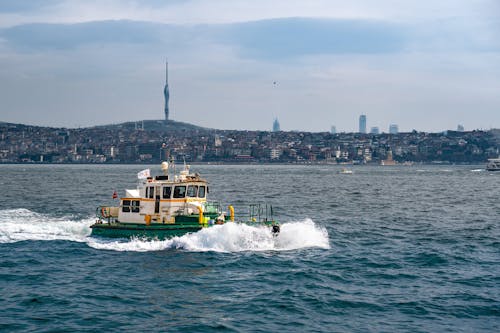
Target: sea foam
[[24, 225]]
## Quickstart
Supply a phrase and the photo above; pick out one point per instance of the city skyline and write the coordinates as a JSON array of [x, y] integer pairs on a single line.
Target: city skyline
[[153, 140], [233, 64]]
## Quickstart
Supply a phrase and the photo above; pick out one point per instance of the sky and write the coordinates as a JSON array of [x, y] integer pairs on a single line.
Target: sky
[[421, 64]]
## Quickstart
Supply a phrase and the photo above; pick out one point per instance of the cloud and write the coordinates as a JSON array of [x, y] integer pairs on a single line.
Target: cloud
[[40, 36], [233, 11], [287, 38], [267, 39], [94, 62], [271, 40], [9, 6]]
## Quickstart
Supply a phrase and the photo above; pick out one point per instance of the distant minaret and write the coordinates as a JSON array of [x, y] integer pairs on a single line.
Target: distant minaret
[[166, 92]]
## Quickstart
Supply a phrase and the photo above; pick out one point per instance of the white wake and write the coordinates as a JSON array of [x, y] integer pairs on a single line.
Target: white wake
[[23, 225]]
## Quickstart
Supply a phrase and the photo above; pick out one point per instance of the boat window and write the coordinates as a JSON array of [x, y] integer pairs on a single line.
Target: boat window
[[167, 192], [201, 192], [126, 206], [179, 191], [192, 191], [135, 206], [151, 192], [131, 206]]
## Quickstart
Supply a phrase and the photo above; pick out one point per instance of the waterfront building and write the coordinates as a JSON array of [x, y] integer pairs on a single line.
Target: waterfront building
[[362, 124], [389, 160], [275, 154], [217, 141]]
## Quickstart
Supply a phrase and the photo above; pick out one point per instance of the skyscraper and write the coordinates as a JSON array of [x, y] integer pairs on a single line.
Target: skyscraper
[[362, 124], [276, 125], [393, 129], [166, 93]]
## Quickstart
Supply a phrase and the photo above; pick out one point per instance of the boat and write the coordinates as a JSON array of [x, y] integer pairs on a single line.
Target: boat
[[170, 205], [493, 164], [345, 171]]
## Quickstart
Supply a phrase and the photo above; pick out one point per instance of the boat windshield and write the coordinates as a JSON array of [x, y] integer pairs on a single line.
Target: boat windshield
[[180, 192], [150, 192], [192, 191], [167, 192], [201, 192]]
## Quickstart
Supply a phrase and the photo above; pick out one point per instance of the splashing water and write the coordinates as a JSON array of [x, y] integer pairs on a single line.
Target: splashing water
[[23, 225]]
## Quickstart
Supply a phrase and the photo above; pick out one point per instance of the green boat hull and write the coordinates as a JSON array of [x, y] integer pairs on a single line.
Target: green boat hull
[[158, 230], [153, 231]]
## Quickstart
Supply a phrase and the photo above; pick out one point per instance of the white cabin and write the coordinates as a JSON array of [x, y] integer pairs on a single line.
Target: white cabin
[[159, 199]]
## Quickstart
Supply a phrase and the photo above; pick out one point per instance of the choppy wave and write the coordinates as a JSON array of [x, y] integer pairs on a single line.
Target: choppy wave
[[23, 225]]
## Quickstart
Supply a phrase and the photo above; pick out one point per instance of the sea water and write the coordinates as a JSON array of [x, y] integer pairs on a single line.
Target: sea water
[[385, 249]]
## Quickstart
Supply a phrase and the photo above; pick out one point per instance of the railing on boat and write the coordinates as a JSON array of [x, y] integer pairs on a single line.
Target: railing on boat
[[107, 213], [257, 212], [254, 213]]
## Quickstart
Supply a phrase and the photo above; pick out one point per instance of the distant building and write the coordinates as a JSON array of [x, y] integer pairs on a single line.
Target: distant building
[[389, 160], [275, 154], [276, 125], [362, 124], [139, 126], [460, 128], [166, 93], [393, 129], [374, 130], [333, 130], [217, 141]]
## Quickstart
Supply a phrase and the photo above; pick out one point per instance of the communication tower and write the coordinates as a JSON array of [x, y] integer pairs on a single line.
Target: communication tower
[[166, 93]]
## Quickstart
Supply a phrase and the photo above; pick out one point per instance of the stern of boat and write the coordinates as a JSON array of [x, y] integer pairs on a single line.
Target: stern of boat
[[107, 214]]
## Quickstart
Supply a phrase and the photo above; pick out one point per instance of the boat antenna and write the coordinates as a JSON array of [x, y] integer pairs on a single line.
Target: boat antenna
[[172, 162], [186, 167]]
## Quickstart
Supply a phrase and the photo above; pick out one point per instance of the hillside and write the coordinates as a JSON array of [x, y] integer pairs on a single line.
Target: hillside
[[147, 125], [155, 125]]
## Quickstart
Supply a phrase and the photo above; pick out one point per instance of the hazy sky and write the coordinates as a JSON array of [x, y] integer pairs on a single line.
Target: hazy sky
[[425, 65]]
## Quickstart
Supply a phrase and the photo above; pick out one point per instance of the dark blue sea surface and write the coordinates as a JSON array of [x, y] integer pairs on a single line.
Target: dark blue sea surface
[[385, 249]]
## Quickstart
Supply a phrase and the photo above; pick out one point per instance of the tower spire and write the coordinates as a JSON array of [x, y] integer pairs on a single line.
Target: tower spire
[[166, 72]]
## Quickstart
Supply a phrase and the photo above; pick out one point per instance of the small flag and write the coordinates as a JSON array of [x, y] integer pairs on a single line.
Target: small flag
[[115, 195], [144, 174]]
